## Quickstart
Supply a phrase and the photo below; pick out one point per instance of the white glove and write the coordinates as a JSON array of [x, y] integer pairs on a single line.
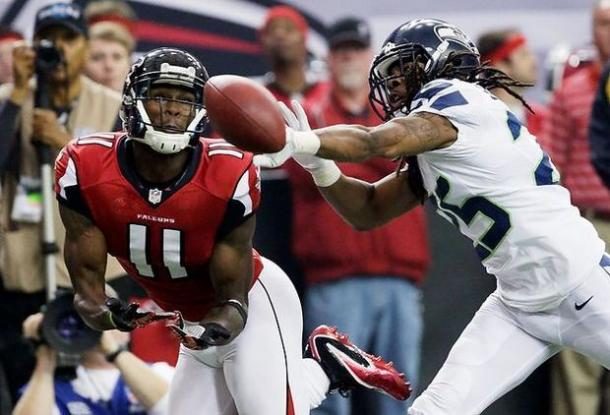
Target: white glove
[[298, 121], [296, 142], [299, 140], [324, 172]]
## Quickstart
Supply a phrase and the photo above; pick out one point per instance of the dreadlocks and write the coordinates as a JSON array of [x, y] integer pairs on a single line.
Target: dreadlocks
[[484, 75]]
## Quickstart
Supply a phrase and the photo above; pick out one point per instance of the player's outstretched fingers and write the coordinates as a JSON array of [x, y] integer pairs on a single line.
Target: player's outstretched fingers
[[186, 339], [289, 117]]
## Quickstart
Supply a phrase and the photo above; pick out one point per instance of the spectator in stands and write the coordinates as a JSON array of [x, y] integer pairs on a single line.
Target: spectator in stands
[[283, 37], [508, 50], [109, 380], [80, 106], [599, 129], [579, 385], [117, 11], [364, 282], [8, 39], [110, 49]]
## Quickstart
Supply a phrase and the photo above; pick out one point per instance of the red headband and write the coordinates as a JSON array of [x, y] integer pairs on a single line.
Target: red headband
[[289, 13], [505, 49], [114, 18], [10, 36]]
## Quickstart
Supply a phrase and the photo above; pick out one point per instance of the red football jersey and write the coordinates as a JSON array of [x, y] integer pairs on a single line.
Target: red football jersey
[[164, 238]]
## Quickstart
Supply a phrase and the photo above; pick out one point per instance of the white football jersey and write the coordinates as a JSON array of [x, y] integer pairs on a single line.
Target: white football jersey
[[502, 191]]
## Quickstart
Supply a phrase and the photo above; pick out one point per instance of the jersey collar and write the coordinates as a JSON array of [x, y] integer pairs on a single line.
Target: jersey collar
[[155, 193]]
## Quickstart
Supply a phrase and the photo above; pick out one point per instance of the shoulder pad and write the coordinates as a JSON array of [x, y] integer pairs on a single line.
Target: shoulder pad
[[224, 166], [95, 143], [92, 154]]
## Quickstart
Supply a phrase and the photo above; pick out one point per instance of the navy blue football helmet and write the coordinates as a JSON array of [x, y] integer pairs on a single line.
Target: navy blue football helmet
[[418, 52]]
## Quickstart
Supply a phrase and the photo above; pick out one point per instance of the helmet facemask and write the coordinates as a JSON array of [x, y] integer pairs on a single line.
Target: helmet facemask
[[415, 53], [395, 78]]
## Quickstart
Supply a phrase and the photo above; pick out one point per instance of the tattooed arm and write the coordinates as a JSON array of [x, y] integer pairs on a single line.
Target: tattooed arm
[[85, 254], [403, 136], [367, 205]]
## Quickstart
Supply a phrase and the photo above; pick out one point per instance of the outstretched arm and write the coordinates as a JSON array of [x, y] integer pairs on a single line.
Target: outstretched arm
[[231, 263], [85, 255], [367, 205], [231, 275], [404, 136]]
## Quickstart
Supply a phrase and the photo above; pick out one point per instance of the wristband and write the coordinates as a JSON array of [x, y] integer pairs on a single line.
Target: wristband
[[306, 142], [111, 357], [326, 174], [238, 306]]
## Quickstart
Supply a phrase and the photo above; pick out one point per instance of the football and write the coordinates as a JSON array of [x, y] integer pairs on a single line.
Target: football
[[244, 113]]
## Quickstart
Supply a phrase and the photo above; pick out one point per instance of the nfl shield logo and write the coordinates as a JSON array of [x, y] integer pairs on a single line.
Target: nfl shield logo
[[154, 196]]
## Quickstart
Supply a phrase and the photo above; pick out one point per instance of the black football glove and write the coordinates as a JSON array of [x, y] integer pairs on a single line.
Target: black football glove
[[214, 333], [127, 317]]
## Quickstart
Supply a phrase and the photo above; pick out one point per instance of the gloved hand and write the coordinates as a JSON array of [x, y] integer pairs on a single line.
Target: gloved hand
[[219, 327], [324, 172], [298, 121], [273, 160], [128, 317], [300, 140]]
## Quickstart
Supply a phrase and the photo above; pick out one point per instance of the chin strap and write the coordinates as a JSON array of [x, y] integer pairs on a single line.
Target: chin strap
[[166, 143]]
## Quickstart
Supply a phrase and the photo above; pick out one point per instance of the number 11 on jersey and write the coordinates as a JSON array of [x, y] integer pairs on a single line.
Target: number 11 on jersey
[[171, 244]]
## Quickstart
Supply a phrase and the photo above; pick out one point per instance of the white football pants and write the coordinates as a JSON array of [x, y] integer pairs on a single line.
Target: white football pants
[[262, 371], [501, 346]]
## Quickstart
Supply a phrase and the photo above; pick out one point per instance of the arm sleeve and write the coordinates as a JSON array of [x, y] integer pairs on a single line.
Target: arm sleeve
[[67, 188], [599, 129], [244, 202], [9, 114]]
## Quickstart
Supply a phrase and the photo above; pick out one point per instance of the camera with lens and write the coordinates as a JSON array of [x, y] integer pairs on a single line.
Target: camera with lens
[[48, 57], [64, 330]]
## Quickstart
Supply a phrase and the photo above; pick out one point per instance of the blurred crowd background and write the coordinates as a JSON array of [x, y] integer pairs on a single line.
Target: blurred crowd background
[[404, 291]]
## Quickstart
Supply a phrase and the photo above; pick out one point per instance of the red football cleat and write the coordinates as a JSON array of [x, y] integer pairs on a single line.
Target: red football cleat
[[348, 367]]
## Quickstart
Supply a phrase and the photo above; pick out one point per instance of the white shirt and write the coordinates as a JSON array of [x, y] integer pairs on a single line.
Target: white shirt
[[99, 384]]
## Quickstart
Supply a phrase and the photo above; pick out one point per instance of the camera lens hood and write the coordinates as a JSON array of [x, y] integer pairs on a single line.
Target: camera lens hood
[[64, 330]]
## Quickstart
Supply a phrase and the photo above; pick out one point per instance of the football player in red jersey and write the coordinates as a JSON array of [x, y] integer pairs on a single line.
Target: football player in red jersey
[[178, 212]]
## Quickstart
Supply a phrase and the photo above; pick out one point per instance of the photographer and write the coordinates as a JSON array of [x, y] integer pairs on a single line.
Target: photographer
[[109, 380], [78, 106]]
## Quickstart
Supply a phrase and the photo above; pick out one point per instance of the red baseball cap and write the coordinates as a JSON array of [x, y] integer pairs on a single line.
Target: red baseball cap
[[286, 12]]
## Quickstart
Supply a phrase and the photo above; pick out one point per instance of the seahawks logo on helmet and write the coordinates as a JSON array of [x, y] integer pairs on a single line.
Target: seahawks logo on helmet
[[418, 52], [452, 33]]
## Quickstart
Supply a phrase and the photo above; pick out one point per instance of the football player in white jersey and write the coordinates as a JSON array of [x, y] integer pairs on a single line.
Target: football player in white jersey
[[488, 175]]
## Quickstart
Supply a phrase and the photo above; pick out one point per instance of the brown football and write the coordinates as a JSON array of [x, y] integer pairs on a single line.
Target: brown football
[[244, 113]]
